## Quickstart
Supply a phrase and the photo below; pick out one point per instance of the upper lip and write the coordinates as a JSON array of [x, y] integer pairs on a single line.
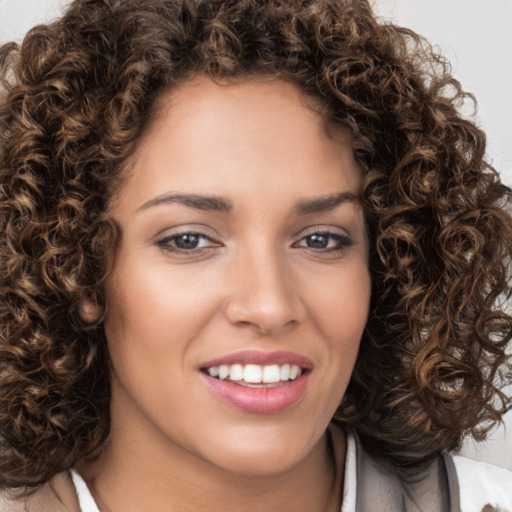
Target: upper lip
[[261, 358]]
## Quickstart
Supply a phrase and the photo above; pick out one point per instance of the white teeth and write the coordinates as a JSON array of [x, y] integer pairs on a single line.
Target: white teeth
[[271, 374], [252, 373], [256, 374], [236, 372], [223, 371], [294, 371]]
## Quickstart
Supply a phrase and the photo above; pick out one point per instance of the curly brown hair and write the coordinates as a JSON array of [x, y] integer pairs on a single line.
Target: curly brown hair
[[78, 96]]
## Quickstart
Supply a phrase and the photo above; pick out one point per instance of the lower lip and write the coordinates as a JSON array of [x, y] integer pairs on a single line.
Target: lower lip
[[258, 400]]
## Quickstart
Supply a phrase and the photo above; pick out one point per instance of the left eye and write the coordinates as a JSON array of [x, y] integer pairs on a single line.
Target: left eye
[[327, 241], [188, 240]]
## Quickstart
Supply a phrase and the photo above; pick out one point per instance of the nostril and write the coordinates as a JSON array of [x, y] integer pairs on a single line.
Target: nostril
[[265, 317]]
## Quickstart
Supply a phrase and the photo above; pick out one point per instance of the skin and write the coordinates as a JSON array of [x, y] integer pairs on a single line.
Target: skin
[[254, 282]]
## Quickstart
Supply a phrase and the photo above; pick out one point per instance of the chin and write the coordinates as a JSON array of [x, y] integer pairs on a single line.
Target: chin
[[259, 456], [259, 466]]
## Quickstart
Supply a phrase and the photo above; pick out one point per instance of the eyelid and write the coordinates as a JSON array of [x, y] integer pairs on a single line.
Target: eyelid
[[164, 238], [345, 240], [177, 235], [320, 229], [180, 229]]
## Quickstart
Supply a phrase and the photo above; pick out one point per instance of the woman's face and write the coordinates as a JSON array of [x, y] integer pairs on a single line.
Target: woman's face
[[243, 254]]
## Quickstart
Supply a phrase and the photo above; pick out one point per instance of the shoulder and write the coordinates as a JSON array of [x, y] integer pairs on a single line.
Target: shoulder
[[483, 484], [378, 486], [58, 495], [450, 483]]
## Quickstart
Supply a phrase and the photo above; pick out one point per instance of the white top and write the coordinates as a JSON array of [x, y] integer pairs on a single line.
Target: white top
[[85, 499], [483, 484], [480, 484]]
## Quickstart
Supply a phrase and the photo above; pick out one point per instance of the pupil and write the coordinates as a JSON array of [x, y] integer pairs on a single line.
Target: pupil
[[187, 241], [318, 241]]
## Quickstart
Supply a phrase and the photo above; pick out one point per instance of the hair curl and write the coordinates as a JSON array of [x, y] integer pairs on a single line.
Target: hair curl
[[79, 94]]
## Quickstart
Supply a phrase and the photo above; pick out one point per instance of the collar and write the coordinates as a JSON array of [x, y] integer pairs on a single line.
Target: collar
[[435, 489]]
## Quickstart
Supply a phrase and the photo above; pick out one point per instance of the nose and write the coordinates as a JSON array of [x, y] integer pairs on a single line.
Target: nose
[[263, 295]]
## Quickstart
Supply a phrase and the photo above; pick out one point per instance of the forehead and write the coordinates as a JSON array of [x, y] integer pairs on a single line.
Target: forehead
[[233, 136]]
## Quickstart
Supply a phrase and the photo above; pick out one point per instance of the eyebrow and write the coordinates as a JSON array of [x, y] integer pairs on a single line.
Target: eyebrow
[[199, 202], [220, 204], [323, 204]]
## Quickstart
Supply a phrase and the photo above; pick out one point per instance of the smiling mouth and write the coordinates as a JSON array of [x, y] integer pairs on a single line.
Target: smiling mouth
[[258, 382], [256, 376]]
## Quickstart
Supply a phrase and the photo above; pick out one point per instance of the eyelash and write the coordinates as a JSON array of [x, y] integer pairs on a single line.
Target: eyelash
[[165, 243], [343, 243]]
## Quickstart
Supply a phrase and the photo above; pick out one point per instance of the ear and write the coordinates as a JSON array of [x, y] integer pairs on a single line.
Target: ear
[[89, 311]]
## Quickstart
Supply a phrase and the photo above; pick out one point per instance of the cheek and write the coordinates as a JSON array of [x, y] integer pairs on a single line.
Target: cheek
[[341, 306], [339, 310], [153, 310], [152, 319]]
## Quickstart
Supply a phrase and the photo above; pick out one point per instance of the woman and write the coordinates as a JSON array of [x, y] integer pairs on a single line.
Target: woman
[[250, 250]]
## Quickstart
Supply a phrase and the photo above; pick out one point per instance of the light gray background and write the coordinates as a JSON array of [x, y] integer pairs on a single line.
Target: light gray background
[[475, 35]]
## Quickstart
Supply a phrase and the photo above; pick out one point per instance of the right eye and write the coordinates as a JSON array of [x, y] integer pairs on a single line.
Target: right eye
[[186, 243]]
